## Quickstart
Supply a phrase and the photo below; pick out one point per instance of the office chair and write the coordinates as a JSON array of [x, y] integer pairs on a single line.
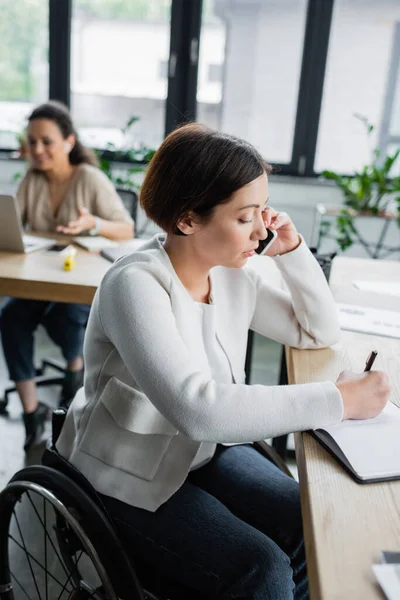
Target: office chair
[[41, 380], [130, 201]]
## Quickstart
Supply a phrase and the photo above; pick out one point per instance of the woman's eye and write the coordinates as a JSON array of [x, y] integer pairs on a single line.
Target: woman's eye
[[244, 221]]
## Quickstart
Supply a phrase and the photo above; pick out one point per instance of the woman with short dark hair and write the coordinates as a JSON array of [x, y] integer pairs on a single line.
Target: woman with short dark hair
[[63, 191], [165, 398]]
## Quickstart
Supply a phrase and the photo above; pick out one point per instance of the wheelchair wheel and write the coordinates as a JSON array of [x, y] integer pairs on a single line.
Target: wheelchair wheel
[[57, 544]]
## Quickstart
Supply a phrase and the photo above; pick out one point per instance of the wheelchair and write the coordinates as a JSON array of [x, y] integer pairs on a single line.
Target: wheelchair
[[57, 541]]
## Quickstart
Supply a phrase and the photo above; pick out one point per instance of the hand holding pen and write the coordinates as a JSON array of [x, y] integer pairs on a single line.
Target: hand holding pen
[[364, 394]]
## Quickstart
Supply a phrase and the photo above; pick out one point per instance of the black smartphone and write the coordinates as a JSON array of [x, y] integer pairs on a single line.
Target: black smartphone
[[265, 244], [57, 248]]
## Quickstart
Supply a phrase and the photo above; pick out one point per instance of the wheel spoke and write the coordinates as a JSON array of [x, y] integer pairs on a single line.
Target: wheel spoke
[[36, 561], [63, 540], [70, 575], [27, 555], [47, 535], [22, 589]]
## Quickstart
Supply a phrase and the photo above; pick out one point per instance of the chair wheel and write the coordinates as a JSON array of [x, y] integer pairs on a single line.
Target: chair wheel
[[3, 408]]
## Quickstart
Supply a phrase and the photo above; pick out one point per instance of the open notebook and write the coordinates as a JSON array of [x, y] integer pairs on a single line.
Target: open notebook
[[368, 449]]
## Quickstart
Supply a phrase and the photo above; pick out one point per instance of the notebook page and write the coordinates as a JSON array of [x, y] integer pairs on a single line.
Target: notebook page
[[372, 446]]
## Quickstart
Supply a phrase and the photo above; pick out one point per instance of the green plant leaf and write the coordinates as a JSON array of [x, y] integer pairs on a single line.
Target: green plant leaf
[[389, 162], [131, 121], [325, 227], [138, 157], [368, 189], [364, 120]]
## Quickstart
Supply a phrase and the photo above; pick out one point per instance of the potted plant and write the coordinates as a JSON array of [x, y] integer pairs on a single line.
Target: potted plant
[[372, 191], [137, 158]]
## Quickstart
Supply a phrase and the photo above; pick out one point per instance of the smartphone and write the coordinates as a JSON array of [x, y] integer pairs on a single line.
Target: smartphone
[[265, 244], [57, 248]]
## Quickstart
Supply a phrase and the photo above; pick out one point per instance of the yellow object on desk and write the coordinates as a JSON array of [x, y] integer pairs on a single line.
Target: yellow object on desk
[[69, 258]]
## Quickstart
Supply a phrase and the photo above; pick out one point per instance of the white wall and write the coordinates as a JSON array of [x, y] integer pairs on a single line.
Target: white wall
[[296, 196]]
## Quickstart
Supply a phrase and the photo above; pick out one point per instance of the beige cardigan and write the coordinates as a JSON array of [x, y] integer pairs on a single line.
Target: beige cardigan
[[149, 398], [89, 188]]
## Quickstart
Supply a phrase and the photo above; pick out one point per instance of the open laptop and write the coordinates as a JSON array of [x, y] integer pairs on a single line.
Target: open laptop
[[12, 237]]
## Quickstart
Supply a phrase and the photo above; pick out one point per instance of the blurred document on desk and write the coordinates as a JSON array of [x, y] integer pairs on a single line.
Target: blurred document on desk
[[95, 243], [389, 579], [387, 288], [369, 320]]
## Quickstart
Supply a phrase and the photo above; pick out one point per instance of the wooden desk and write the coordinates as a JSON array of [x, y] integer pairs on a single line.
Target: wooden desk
[[346, 525], [40, 276]]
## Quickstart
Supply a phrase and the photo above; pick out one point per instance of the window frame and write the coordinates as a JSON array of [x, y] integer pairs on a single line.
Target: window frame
[[60, 22], [183, 71], [386, 138]]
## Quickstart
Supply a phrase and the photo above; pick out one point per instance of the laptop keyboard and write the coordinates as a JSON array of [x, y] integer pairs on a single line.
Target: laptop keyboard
[[30, 241]]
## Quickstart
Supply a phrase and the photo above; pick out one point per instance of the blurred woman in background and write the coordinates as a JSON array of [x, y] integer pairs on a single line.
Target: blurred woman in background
[[64, 192]]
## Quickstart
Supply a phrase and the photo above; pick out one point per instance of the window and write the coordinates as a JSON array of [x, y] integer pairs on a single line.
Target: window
[[116, 52], [24, 43], [357, 70], [259, 46], [389, 134], [163, 69], [215, 73]]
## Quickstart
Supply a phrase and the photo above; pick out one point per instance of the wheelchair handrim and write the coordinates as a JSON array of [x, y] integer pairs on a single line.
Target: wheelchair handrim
[[19, 487]]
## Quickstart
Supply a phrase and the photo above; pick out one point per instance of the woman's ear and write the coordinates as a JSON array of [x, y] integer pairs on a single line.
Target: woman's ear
[[69, 143], [187, 225]]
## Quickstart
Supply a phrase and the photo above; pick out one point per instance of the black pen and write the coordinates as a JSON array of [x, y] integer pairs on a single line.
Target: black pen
[[370, 360]]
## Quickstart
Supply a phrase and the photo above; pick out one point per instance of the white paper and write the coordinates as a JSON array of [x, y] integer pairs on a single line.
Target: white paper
[[389, 579], [37, 239], [369, 320], [95, 242], [372, 446], [387, 288]]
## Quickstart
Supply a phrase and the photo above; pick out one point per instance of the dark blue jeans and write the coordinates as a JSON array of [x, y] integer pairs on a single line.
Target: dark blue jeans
[[232, 531], [65, 324]]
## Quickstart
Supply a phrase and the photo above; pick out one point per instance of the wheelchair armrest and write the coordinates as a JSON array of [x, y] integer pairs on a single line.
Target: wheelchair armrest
[[57, 422]]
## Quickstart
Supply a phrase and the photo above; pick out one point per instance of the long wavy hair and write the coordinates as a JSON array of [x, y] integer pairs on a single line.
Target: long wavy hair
[[60, 115]]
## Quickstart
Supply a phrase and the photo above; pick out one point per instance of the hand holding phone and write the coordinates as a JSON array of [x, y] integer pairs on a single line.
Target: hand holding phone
[[288, 238], [265, 244]]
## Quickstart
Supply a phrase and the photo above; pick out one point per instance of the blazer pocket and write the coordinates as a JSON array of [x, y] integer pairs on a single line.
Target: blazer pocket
[[125, 431], [132, 409]]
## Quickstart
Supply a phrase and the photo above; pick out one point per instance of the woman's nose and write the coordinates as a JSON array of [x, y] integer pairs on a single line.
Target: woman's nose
[[37, 148], [259, 231]]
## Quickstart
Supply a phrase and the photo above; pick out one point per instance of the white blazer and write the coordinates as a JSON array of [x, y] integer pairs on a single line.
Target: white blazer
[[149, 398]]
